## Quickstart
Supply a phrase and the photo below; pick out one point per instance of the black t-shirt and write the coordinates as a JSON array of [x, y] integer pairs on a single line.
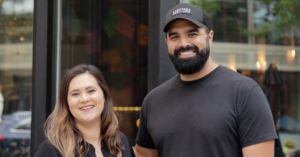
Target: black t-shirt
[[48, 150], [215, 116]]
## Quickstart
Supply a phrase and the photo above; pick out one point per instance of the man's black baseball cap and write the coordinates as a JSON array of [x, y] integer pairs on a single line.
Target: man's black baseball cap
[[188, 12]]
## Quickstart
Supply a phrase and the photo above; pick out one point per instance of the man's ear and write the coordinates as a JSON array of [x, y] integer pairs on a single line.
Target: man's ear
[[166, 37], [210, 36]]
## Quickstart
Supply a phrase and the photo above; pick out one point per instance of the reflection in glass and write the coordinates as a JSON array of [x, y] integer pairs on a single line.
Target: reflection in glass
[[16, 20], [113, 35], [254, 36]]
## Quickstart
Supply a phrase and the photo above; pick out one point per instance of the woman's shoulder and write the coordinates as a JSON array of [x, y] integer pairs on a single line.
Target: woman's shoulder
[[128, 151], [123, 136], [46, 149]]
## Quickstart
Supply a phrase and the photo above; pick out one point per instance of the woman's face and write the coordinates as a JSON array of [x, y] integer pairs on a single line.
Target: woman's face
[[85, 99]]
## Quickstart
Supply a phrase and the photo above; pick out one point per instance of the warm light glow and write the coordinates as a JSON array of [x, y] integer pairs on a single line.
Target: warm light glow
[[261, 63], [232, 62], [127, 108], [293, 53], [258, 65], [290, 56], [21, 38], [246, 73]]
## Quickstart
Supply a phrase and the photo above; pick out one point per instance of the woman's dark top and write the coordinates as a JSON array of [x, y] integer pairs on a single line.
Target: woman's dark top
[[46, 149]]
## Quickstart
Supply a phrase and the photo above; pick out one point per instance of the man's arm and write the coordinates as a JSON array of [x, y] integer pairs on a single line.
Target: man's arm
[[263, 149], [144, 152]]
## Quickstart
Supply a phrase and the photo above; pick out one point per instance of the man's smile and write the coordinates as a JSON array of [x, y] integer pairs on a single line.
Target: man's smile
[[186, 54]]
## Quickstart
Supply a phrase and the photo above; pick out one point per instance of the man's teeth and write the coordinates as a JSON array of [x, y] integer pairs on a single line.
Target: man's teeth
[[185, 53], [88, 107]]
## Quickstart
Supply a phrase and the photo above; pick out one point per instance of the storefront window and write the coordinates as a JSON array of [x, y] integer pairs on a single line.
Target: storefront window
[[260, 39], [16, 32], [112, 35]]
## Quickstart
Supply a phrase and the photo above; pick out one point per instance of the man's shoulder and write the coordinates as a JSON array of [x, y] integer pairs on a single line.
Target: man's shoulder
[[235, 78], [161, 91], [162, 88]]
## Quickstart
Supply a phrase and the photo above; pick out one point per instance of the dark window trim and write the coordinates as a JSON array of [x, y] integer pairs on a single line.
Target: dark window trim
[[160, 68], [44, 67]]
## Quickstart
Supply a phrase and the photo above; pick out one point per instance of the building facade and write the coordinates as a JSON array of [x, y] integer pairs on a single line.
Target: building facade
[[41, 40]]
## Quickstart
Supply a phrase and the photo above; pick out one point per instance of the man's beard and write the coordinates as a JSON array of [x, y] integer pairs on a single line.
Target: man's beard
[[193, 64]]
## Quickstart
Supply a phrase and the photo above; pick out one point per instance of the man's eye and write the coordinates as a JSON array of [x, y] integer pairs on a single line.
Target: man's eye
[[173, 37], [192, 34]]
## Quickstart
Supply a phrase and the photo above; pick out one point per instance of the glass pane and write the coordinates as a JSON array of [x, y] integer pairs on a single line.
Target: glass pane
[[112, 35], [261, 40], [16, 32]]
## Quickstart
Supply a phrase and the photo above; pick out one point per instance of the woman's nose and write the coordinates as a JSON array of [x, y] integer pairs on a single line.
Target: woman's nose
[[84, 98]]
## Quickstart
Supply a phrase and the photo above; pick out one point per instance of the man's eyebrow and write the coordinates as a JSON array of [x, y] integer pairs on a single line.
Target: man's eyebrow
[[193, 30], [172, 33], [189, 31]]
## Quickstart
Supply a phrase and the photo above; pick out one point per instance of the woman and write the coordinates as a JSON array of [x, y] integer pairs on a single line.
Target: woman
[[83, 122]]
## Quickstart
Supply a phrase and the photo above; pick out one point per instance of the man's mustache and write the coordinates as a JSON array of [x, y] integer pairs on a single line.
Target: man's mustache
[[188, 48]]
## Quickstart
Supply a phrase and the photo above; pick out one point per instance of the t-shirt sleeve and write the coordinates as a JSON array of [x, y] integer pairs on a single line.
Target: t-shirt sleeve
[[45, 149], [255, 119], [144, 138]]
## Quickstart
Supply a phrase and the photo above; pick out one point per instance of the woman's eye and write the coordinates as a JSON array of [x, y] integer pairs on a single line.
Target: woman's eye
[[91, 91], [75, 94]]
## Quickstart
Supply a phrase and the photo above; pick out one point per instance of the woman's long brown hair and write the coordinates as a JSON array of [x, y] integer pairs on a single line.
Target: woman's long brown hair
[[61, 130]]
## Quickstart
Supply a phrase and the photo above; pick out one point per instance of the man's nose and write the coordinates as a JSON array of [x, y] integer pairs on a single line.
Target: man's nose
[[184, 42]]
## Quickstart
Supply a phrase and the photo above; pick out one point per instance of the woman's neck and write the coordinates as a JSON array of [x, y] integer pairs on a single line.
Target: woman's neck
[[90, 132]]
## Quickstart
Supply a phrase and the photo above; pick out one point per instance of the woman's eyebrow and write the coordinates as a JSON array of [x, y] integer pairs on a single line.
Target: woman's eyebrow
[[74, 90], [89, 87]]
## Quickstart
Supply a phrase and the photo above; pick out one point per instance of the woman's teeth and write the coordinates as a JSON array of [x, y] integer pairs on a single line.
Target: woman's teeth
[[88, 107]]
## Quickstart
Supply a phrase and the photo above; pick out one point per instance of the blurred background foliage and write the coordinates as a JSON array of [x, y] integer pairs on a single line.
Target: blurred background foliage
[[274, 20]]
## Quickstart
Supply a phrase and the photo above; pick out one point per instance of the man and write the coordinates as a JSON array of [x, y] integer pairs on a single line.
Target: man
[[207, 110]]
